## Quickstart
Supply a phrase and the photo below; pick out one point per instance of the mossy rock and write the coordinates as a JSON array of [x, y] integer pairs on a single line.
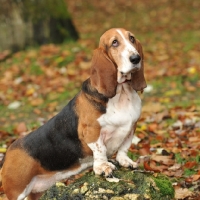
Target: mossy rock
[[131, 185]]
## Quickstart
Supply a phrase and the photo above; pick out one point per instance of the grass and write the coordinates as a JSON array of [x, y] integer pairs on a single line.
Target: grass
[[168, 31], [175, 91]]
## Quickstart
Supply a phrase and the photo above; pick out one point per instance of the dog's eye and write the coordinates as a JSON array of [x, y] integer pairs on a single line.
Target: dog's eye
[[132, 39], [115, 43]]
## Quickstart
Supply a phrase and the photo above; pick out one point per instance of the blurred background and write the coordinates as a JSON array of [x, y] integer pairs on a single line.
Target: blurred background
[[46, 47]]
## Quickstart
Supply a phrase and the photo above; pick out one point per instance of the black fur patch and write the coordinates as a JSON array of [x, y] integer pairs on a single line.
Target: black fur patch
[[86, 87], [56, 144]]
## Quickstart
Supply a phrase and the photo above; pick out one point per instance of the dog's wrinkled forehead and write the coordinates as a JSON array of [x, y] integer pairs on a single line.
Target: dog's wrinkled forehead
[[118, 34]]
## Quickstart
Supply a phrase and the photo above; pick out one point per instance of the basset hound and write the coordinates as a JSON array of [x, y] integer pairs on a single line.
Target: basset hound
[[97, 123]]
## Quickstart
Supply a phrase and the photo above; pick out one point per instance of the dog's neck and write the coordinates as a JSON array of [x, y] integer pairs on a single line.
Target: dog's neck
[[98, 100]]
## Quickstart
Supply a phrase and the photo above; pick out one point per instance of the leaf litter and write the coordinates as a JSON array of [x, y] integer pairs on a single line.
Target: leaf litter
[[33, 84]]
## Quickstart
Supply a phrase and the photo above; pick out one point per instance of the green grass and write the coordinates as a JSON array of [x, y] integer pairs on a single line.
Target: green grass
[[189, 172], [179, 94]]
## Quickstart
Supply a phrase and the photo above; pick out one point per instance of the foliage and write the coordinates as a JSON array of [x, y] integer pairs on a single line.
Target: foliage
[[41, 9], [42, 80]]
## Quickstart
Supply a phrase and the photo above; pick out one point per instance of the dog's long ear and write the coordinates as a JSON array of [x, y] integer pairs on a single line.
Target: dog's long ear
[[103, 73], [137, 78]]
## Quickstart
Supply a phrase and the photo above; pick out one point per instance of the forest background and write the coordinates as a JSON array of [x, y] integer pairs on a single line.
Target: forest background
[[38, 80]]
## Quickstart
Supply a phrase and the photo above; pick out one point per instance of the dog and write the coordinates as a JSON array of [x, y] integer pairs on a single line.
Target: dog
[[98, 122]]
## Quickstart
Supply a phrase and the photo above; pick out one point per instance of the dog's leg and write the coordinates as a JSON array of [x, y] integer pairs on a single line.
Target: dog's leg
[[122, 156], [40, 183], [73, 170], [101, 164]]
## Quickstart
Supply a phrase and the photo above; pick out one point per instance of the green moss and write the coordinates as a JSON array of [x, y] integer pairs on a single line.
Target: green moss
[[131, 183], [165, 186]]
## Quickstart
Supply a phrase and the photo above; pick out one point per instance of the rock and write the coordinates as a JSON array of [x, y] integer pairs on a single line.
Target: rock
[[132, 185]]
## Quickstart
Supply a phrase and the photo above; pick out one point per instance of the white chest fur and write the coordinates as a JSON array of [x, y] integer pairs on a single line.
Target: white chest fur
[[123, 110]]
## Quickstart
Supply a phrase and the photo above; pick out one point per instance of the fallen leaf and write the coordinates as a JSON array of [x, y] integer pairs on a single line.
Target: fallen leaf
[[21, 127], [149, 168], [194, 139], [156, 167], [113, 180], [30, 91], [52, 106], [182, 193], [14, 105], [175, 167], [190, 164], [2, 150], [167, 160], [153, 127], [36, 102], [152, 107], [144, 151], [178, 173], [37, 111]]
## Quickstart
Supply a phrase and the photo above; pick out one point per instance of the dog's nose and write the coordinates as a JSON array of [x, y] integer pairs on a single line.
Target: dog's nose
[[135, 59]]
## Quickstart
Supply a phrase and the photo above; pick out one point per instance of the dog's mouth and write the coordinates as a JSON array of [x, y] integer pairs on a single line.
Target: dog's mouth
[[126, 80], [123, 78]]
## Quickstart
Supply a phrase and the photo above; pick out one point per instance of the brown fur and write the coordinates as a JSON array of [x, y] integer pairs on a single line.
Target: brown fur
[[88, 127], [19, 167], [137, 78], [103, 73], [18, 174]]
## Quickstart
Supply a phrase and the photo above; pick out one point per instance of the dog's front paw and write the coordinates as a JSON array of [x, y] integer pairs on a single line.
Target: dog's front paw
[[103, 168], [125, 161]]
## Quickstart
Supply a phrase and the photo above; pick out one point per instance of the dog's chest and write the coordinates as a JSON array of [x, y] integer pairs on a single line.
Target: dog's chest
[[123, 110]]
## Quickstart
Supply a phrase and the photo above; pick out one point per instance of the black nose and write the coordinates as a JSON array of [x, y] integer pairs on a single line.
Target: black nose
[[135, 59]]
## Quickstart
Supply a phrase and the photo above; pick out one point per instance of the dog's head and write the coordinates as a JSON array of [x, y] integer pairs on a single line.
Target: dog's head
[[123, 56]]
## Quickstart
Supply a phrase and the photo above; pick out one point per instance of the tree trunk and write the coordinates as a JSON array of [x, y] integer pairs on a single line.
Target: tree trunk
[[127, 184], [34, 22]]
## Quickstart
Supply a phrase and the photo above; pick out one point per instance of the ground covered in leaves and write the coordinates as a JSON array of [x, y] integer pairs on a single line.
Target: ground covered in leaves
[[36, 83]]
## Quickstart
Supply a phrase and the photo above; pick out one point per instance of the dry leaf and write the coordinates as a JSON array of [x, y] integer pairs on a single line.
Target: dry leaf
[[149, 168], [190, 164], [182, 193], [37, 102], [21, 127], [175, 167], [113, 179], [167, 160], [195, 177], [14, 105], [153, 127]]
